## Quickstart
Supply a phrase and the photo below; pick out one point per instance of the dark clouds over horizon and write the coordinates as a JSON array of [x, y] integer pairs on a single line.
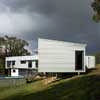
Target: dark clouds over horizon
[[69, 20]]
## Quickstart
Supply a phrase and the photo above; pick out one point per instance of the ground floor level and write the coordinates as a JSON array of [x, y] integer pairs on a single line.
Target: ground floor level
[[20, 72], [84, 87]]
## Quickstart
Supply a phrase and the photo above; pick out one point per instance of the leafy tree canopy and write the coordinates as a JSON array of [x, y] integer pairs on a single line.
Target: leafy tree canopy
[[12, 47], [96, 7], [97, 56], [16, 47]]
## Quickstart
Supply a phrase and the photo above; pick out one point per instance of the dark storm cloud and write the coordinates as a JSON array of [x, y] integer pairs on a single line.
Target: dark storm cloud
[[38, 6], [68, 20]]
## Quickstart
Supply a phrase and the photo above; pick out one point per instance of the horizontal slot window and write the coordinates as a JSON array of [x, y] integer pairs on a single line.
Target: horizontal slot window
[[23, 62]]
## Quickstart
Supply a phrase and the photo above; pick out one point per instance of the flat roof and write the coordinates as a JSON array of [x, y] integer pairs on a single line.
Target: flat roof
[[72, 43], [23, 57]]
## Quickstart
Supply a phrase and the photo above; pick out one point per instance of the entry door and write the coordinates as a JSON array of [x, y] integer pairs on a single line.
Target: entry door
[[79, 60]]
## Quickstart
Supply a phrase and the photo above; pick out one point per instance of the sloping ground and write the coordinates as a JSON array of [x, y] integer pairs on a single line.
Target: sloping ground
[[95, 71], [85, 87]]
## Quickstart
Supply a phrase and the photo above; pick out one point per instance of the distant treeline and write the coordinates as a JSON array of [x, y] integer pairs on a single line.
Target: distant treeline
[[97, 57]]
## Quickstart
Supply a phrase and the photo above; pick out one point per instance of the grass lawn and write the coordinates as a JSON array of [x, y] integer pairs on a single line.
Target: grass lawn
[[86, 87]]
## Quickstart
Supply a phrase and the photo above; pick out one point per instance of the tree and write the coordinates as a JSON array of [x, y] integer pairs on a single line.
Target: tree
[[97, 57], [12, 47], [15, 47], [96, 7]]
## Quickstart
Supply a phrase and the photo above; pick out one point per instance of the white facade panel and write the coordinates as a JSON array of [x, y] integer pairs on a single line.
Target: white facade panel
[[58, 56], [14, 72], [34, 65], [90, 62], [18, 60]]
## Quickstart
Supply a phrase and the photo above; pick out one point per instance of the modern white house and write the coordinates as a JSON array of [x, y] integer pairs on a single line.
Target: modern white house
[[21, 65], [59, 56], [53, 56], [90, 62]]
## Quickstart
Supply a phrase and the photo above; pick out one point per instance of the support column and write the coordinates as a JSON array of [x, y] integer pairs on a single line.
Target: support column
[[78, 73]]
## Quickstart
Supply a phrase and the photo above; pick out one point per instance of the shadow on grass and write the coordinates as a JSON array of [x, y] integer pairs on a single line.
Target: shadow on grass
[[90, 70], [84, 88]]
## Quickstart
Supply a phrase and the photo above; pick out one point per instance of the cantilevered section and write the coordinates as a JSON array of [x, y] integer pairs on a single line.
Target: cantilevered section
[[60, 56]]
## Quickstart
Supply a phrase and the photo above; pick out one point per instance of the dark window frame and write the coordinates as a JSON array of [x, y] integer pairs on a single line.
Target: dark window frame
[[13, 63], [23, 61], [8, 63], [30, 63], [36, 63]]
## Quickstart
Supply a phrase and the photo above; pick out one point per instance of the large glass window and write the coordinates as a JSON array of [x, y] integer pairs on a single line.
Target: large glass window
[[79, 60], [10, 63]]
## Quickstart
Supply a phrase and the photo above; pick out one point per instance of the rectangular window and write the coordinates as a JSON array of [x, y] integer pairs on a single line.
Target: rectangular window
[[13, 63], [8, 63], [36, 63], [30, 64], [23, 62]]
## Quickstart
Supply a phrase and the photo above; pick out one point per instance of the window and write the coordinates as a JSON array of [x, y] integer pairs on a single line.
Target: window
[[30, 64], [36, 63], [13, 63], [8, 63], [23, 62]]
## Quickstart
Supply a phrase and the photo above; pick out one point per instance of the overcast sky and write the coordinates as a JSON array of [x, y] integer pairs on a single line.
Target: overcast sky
[[69, 20]]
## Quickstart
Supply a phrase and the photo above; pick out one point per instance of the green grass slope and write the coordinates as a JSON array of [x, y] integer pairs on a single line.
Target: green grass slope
[[85, 87]]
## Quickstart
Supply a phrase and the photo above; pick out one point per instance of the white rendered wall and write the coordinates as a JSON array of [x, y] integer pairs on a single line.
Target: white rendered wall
[[34, 65], [14, 73], [90, 62], [58, 56], [18, 60]]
